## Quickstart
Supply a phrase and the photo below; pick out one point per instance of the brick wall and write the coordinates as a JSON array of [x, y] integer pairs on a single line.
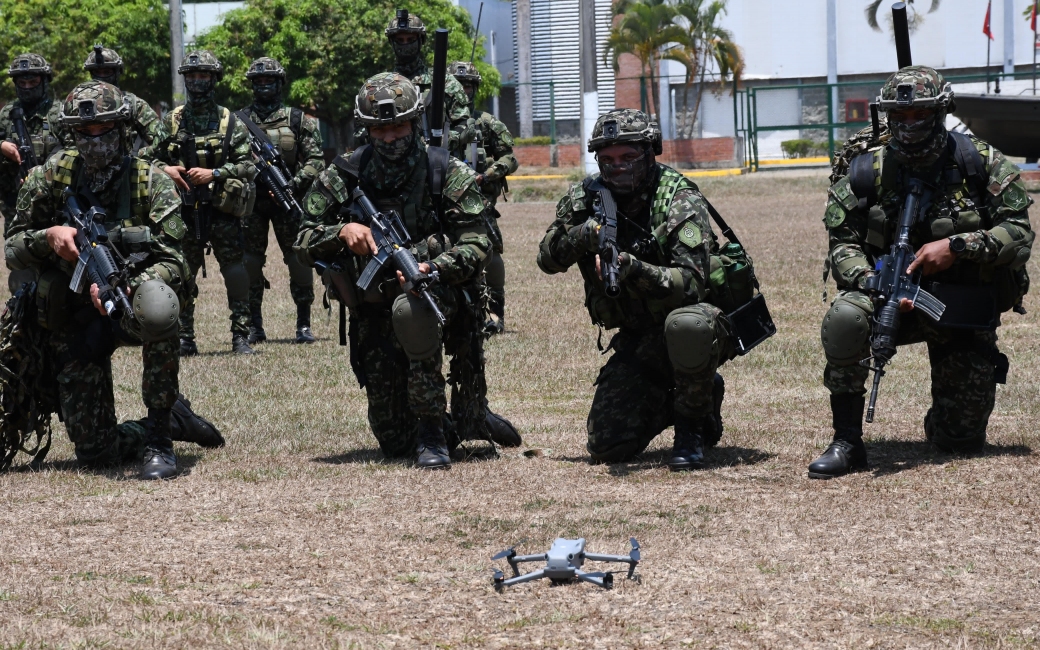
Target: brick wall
[[686, 154]]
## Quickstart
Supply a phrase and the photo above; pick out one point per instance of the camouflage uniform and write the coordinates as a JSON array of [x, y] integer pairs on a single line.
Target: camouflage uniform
[[201, 120], [302, 152], [80, 348], [405, 395], [665, 233], [143, 118], [988, 214]]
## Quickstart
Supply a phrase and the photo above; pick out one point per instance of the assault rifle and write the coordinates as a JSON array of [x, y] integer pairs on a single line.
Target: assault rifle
[[198, 197], [605, 209], [891, 284], [25, 144], [99, 263], [394, 244], [271, 171]]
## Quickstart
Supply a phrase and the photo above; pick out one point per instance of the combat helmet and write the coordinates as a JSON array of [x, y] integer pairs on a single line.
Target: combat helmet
[[405, 23], [94, 102], [265, 66], [387, 98], [465, 71], [109, 58], [625, 126], [30, 64], [202, 61], [916, 86]]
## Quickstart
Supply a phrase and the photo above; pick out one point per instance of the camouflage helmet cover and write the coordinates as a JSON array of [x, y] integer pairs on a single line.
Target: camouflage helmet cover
[[465, 71], [265, 66], [30, 64], [625, 126], [387, 98], [406, 23], [201, 61], [109, 59], [95, 102], [916, 86]]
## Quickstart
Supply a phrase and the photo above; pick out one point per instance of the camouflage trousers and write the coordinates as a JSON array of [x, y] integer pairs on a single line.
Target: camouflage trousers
[[964, 372], [496, 272], [257, 226], [82, 358], [638, 391], [226, 238]]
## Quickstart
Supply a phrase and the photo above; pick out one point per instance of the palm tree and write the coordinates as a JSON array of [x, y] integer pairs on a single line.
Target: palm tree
[[702, 41], [914, 17], [644, 29]]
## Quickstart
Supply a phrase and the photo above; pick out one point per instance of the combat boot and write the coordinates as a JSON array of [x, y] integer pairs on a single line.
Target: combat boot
[[188, 348], [847, 453], [713, 426], [256, 329], [501, 430], [188, 426], [159, 462], [688, 449], [303, 324], [432, 448], [239, 345]]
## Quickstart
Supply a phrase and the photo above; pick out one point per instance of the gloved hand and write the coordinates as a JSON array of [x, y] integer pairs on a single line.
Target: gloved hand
[[586, 236]]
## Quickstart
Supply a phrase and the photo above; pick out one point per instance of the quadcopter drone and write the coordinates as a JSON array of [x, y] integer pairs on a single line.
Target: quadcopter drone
[[563, 564]]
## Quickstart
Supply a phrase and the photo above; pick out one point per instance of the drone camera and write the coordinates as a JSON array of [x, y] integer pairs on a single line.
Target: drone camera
[[386, 109], [905, 94], [610, 130]]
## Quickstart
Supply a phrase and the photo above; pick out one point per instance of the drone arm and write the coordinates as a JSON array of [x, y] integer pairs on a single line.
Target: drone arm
[[527, 577], [528, 558], [599, 557], [605, 580]]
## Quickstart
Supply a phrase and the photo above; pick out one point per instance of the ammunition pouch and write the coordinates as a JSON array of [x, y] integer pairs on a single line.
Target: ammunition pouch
[[731, 279], [235, 197], [972, 307], [54, 300], [751, 324], [133, 239]]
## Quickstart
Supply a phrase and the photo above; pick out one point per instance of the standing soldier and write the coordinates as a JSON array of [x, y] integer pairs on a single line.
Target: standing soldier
[[142, 218], [106, 65], [206, 152], [295, 137], [672, 338], [407, 36], [971, 240], [491, 156], [396, 340]]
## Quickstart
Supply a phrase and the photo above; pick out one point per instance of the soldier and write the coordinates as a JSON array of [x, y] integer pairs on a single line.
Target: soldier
[[972, 240], [207, 145], [396, 341], [671, 338], [407, 36], [142, 217], [106, 65], [494, 160], [296, 138]]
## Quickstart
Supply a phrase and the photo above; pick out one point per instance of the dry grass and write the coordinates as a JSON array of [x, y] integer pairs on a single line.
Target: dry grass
[[299, 535]]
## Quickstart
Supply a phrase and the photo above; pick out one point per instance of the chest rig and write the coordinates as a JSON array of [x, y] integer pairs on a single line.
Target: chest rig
[[43, 140], [132, 194], [283, 130], [211, 147]]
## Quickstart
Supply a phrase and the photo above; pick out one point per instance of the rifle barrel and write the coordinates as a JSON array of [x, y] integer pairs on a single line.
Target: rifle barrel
[[901, 28]]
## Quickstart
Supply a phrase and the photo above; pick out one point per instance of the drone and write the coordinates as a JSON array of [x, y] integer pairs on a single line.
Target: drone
[[563, 564]]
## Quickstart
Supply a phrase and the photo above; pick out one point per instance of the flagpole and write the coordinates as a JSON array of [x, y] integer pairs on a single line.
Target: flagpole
[[1035, 2], [988, 42]]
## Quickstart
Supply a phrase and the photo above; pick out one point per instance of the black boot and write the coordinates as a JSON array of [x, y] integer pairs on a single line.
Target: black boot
[[159, 461], [496, 322], [240, 345], [432, 448], [256, 329], [847, 453], [188, 426], [188, 348], [501, 430], [713, 428], [303, 324], [688, 449]]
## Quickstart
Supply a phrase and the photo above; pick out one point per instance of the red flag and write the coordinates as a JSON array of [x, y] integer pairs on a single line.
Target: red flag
[[1032, 18], [985, 26]]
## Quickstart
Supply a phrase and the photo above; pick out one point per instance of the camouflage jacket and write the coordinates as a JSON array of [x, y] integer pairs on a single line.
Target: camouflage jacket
[[497, 144], [302, 152], [996, 233], [327, 204], [154, 203], [145, 122], [667, 232], [205, 126], [44, 127]]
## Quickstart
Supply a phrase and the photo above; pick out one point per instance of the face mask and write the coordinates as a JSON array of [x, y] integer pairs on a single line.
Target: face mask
[[100, 154], [920, 142], [395, 151], [198, 89], [406, 52], [108, 76], [626, 177], [31, 96], [267, 92]]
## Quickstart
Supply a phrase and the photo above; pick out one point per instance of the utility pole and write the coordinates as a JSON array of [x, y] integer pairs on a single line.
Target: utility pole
[[1009, 36], [832, 67], [524, 96], [589, 83], [176, 51], [494, 64]]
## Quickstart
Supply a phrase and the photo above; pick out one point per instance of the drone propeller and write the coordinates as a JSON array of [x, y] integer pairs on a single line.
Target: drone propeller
[[501, 555], [635, 549]]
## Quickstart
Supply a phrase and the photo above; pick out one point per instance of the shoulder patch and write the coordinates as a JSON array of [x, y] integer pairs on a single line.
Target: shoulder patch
[[335, 184], [1015, 198], [174, 226], [843, 194], [1002, 176], [834, 216], [315, 203], [690, 234]]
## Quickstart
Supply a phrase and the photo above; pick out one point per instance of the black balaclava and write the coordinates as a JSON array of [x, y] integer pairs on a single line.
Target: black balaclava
[[31, 97], [626, 179], [267, 98], [919, 143]]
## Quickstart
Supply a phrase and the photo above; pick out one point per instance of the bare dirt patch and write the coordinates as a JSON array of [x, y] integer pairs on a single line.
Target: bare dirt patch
[[299, 535]]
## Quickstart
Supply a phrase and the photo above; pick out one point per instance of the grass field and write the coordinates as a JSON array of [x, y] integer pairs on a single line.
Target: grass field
[[299, 535]]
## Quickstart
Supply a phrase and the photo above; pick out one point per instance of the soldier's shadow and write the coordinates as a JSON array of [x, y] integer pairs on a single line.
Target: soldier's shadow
[[375, 456], [893, 456], [714, 458], [123, 472]]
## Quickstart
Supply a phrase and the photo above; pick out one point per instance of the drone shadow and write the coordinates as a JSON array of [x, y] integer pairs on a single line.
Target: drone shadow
[[889, 457], [714, 458]]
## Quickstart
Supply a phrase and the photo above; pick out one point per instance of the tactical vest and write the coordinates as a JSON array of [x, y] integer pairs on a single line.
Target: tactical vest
[[134, 192], [284, 134], [212, 147]]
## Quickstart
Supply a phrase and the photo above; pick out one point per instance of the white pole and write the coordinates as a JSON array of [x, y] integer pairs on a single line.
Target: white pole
[[832, 55], [494, 64], [176, 51], [589, 81], [524, 95], [1009, 36]]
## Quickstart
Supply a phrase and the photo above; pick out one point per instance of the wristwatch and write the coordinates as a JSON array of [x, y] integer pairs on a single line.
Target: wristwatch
[[957, 245], [216, 174]]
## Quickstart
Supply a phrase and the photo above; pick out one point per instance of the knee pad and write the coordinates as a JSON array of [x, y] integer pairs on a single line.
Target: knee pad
[[254, 263], [416, 327], [496, 272], [947, 438], [299, 273], [692, 340], [236, 280], [157, 311], [846, 330]]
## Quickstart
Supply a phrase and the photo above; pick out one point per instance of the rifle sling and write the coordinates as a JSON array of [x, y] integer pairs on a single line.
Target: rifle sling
[[257, 132]]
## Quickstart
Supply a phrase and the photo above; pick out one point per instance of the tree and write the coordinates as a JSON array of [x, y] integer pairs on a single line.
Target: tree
[[913, 17], [63, 31], [643, 30], [328, 48]]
